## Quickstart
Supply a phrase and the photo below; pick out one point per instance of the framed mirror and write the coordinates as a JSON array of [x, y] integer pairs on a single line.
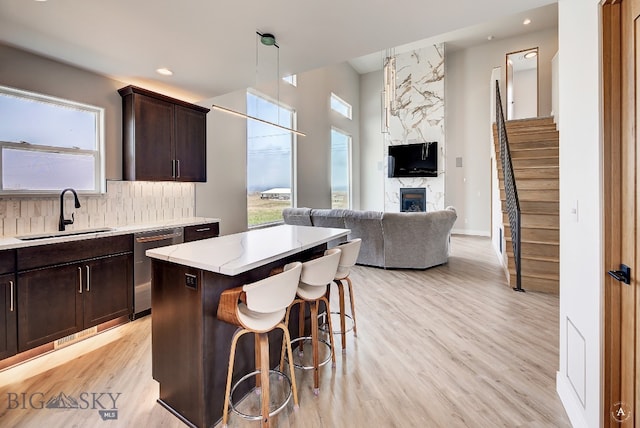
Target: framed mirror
[[522, 84]]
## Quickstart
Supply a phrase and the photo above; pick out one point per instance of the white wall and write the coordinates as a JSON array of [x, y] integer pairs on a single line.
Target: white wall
[[468, 188], [525, 92], [372, 143], [224, 193], [581, 241]]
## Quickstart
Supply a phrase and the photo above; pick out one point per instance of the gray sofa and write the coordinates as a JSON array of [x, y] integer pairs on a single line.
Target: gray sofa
[[389, 240]]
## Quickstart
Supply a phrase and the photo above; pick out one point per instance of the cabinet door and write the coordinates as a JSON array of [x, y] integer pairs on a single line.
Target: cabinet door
[[190, 143], [153, 137], [49, 305], [8, 331], [108, 289]]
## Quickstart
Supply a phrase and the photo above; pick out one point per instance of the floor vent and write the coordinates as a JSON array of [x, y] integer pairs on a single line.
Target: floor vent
[[75, 337]]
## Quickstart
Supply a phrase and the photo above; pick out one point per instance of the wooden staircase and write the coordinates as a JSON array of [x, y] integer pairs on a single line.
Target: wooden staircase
[[534, 145]]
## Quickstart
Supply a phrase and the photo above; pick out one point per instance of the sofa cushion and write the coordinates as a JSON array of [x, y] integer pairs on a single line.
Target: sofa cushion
[[329, 218], [417, 240], [367, 225], [297, 216]]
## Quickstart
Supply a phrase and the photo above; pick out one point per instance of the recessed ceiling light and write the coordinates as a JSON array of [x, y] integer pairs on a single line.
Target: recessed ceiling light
[[526, 21], [164, 71], [490, 38], [41, 1], [530, 54]]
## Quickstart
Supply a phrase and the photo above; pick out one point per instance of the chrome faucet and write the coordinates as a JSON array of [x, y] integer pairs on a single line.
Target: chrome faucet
[[64, 222]]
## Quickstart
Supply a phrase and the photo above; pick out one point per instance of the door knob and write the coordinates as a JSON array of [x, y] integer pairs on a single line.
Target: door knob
[[622, 275]]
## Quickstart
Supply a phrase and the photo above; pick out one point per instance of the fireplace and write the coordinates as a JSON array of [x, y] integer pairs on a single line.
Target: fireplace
[[413, 199]]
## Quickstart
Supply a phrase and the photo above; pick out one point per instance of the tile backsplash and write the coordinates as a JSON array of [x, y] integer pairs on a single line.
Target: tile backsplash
[[125, 203]]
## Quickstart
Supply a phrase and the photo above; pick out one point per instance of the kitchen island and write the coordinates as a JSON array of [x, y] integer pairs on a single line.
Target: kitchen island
[[190, 346]]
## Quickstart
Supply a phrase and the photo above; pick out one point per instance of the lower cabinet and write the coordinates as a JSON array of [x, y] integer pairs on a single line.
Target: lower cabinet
[[62, 299], [8, 332]]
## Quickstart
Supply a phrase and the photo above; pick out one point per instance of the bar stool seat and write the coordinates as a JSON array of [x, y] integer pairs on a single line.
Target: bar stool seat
[[316, 275], [258, 308]]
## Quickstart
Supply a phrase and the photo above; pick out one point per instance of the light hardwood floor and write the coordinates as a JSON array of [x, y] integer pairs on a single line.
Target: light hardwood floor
[[450, 346]]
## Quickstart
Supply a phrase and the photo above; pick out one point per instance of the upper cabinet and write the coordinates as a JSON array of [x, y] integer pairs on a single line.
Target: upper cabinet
[[164, 138]]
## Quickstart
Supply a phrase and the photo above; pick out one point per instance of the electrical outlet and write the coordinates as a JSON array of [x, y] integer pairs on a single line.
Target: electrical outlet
[[191, 281]]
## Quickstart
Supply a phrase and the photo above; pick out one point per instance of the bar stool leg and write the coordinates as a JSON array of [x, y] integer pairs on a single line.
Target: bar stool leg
[[343, 326], [314, 344], [286, 341], [263, 340], [227, 395], [301, 326], [331, 341], [353, 307]]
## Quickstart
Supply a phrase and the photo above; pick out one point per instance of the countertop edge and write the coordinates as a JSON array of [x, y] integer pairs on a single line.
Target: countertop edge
[[9, 243]]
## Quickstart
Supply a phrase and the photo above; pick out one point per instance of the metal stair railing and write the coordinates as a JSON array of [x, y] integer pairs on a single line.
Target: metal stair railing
[[510, 188]]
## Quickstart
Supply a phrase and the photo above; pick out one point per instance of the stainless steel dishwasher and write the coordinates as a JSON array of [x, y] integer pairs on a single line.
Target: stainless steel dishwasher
[[142, 264]]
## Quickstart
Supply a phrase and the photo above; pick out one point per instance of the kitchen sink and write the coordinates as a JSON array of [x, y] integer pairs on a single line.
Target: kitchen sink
[[63, 233]]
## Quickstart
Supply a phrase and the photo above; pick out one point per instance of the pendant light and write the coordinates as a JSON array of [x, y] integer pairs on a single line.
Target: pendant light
[[266, 39]]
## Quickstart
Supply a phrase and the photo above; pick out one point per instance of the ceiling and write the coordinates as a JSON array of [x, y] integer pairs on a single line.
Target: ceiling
[[211, 45]]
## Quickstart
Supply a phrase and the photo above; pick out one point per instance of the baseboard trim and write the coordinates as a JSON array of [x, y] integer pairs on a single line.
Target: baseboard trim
[[471, 232], [571, 403]]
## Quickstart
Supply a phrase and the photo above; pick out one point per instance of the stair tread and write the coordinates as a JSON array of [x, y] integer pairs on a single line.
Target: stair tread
[[526, 241], [537, 258]]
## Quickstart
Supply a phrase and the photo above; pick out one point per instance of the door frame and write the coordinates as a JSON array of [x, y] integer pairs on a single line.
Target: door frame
[[614, 169]]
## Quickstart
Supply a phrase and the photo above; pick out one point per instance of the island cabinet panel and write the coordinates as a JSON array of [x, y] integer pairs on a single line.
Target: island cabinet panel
[[49, 305], [8, 311], [164, 139], [190, 346]]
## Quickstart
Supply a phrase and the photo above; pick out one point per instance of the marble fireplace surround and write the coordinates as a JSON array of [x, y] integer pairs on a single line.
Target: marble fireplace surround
[[419, 118]]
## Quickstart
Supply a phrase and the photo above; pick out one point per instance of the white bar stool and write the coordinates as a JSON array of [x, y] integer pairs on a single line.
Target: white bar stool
[[259, 308], [316, 275], [350, 251]]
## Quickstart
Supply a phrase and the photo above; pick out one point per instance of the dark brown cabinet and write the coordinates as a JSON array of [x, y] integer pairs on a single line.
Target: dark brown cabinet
[[68, 287], [164, 139], [201, 231], [8, 330]]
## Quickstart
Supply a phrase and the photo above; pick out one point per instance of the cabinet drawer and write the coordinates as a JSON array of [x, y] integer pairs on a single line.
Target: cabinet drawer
[[67, 252], [201, 231], [7, 261]]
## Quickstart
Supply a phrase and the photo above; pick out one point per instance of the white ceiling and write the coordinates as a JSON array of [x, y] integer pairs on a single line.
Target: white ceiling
[[211, 44]]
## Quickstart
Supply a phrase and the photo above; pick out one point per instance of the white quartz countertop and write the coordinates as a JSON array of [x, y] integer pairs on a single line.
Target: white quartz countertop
[[240, 252], [13, 242]]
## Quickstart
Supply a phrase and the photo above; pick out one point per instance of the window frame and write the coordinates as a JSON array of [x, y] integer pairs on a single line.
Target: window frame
[[343, 103], [98, 153], [349, 166]]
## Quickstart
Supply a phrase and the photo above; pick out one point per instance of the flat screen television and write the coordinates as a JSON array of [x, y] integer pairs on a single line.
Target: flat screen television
[[413, 160]]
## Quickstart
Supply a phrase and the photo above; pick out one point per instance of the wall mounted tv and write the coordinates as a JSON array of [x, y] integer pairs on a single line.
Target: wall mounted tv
[[413, 160]]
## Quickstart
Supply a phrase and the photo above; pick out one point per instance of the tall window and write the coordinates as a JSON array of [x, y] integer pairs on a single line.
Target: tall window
[[269, 161], [340, 169]]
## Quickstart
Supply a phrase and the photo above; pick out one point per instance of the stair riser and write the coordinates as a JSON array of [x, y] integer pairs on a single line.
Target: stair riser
[[539, 235], [534, 195], [536, 184], [531, 249], [536, 207], [536, 267], [541, 162], [535, 220], [534, 173], [533, 153]]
